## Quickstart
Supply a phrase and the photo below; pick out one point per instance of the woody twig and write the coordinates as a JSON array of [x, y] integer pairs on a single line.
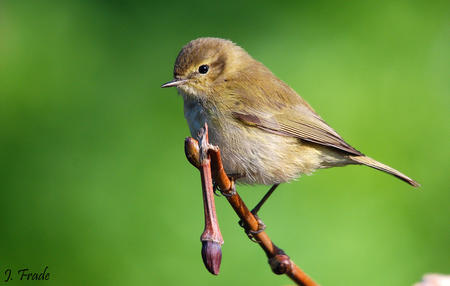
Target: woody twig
[[211, 237], [207, 159]]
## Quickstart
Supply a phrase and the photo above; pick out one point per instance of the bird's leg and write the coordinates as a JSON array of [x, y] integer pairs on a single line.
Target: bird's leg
[[254, 211]]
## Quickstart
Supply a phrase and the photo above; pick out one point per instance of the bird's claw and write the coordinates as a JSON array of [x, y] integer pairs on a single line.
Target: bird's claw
[[251, 233]]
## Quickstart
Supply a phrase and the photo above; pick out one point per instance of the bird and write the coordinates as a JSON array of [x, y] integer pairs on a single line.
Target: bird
[[267, 133]]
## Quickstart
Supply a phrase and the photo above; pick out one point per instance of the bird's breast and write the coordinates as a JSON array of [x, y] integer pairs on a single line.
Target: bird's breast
[[261, 157], [195, 115]]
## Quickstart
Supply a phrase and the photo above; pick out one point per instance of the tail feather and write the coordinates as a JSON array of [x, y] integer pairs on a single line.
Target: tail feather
[[382, 167]]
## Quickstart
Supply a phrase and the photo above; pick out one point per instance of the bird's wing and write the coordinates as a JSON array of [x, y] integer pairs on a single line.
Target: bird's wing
[[299, 122]]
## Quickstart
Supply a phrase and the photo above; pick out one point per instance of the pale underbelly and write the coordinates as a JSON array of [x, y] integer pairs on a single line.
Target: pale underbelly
[[257, 156]]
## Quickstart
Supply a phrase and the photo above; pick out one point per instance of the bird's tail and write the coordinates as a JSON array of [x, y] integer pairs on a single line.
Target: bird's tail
[[382, 167]]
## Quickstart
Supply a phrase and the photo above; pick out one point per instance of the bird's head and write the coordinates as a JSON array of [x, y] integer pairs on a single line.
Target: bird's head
[[205, 64]]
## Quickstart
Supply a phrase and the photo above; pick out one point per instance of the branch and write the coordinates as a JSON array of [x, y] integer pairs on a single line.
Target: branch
[[279, 261], [211, 237]]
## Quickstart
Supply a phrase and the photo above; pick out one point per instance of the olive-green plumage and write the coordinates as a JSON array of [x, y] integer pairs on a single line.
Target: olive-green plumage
[[266, 132]]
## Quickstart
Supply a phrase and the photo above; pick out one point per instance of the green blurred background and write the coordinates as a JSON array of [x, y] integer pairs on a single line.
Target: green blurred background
[[94, 181]]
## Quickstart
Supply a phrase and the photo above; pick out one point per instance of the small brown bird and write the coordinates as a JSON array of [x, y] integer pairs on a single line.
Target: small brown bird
[[266, 132]]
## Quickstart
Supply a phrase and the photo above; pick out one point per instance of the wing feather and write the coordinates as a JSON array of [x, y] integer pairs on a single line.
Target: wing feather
[[273, 106], [308, 127]]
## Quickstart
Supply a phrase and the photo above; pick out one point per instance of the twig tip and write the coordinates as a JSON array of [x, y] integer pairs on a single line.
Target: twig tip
[[212, 256]]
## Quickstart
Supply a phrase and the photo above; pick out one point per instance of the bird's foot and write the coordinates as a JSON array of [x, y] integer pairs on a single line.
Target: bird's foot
[[229, 193], [251, 233]]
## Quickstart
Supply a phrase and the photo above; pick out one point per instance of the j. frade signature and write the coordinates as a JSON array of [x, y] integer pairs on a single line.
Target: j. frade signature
[[26, 274]]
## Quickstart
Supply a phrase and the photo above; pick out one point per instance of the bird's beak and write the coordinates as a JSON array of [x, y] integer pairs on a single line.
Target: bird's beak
[[174, 82]]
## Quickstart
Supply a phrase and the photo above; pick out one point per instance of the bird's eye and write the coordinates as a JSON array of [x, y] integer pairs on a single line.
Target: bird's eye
[[203, 69]]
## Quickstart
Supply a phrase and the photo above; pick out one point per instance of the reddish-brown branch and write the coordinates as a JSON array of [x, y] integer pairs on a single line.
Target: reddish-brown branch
[[211, 237], [279, 261]]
